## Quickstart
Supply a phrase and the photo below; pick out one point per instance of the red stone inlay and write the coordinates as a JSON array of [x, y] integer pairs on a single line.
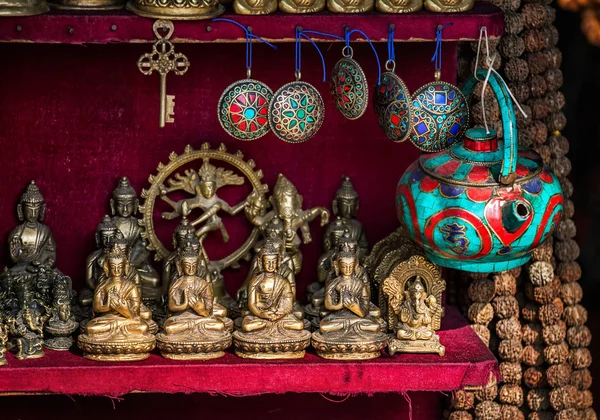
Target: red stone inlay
[[448, 168], [478, 174], [479, 195], [482, 146], [429, 184]]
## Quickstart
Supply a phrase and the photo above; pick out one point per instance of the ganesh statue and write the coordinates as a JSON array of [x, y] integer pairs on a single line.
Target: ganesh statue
[[484, 204]]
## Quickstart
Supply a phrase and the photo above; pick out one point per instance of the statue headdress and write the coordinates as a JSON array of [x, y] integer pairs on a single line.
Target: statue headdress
[[124, 189], [106, 225], [220, 176], [183, 230], [346, 190], [32, 195], [417, 285]]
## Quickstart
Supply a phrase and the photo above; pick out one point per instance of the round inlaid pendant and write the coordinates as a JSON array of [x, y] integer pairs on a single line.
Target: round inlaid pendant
[[440, 116], [349, 88], [392, 106], [296, 112], [243, 109]]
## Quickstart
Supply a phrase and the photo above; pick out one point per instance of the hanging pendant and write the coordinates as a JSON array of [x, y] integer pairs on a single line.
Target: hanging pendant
[[392, 106], [296, 112], [243, 109], [349, 87], [440, 116]]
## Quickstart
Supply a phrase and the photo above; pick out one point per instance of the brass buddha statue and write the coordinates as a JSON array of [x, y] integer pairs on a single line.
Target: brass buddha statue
[[94, 266], [254, 7], [88, 4], [398, 6], [117, 332], [23, 7], [449, 6], [350, 6], [351, 327], [287, 205], [61, 324], [194, 329], [181, 240], [302, 6], [124, 206], [271, 330], [414, 290]]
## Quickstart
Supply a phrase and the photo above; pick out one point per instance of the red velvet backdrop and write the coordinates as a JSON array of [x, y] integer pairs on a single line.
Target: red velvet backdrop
[[76, 118]]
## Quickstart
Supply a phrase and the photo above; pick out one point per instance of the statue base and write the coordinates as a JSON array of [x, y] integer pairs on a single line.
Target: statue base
[[93, 5], [58, 343], [348, 349], [173, 347], [116, 351], [248, 346], [416, 346], [22, 8]]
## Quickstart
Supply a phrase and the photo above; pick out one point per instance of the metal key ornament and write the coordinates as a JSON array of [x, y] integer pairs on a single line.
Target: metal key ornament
[[163, 59]]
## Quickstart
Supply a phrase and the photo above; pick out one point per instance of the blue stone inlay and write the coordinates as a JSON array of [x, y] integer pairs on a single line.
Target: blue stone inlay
[[440, 98], [455, 129], [421, 128], [534, 186], [448, 190], [416, 175]]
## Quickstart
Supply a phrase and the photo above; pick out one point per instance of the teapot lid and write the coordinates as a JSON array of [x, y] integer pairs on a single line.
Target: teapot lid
[[478, 161]]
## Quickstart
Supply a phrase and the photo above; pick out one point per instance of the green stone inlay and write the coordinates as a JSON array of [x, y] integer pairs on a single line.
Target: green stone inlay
[[301, 114]]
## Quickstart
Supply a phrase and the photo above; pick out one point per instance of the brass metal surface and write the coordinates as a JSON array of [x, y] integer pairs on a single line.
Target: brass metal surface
[[88, 4], [176, 9], [449, 6], [23, 7], [254, 7], [302, 6], [398, 6]]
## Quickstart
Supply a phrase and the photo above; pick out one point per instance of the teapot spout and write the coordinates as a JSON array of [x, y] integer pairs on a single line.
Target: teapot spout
[[515, 214]]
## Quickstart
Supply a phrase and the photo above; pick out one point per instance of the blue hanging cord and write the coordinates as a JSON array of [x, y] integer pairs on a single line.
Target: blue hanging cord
[[301, 33], [349, 34], [390, 64], [249, 37], [437, 55]]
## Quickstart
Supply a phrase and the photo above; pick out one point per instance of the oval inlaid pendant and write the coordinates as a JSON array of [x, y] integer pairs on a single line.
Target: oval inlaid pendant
[[296, 112], [392, 106], [243, 109], [440, 116], [349, 88]]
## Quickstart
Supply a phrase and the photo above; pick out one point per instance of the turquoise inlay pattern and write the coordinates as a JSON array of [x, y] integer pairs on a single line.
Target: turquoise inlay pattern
[[349, 88]]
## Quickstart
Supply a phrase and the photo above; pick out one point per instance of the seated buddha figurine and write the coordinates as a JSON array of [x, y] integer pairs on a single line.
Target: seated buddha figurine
[[117, 332], [194, 329], [302, 6], [350, 6], [398, 6], [124, 206], [254, 7], [271, 330], [105, 232], [180, 241], [351, 330], [449, 6]]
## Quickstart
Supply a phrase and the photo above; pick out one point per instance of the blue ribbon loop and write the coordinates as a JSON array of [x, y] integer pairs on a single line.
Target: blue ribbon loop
[[437, 55]]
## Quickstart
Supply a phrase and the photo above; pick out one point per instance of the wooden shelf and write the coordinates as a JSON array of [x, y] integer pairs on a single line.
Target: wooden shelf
[[467, 364], [123, 27]]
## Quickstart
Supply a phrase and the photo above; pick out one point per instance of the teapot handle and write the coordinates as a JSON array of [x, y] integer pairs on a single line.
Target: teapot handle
[[509, 122]]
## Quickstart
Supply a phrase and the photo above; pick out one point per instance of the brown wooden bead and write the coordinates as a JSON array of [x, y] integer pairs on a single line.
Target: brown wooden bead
[[554, 334], [559, 375], [511, 394], [575, 315], [506, 307], [565, 230], [541, 415], [545, 153], [571, 293], [587, 399], [588, 414], [580, 336], [510, 350], [568, 414], [538, 86], [511, 46], [492, 112], [554, 79], [552, 33], [581, 379], [540, 294], [539, 107], [551, 11], [487, 393], [556, 100], [513, 23], [556, 354], [487, 410], [538, 399], [481, 313], [559, 144], [568, 208], [538, 63], [550, 314], [535, 40], [535, 15], [533, 356], [510, 412], [563, 398], [580, 358], [532, 334], [522, 92], [463, 400], [509, 329], [540, 273], [569, 271], [556, 121], [511, 372], [460, 415], [566, 250], [544, 251], [482, 290], [554, 59], [505, 284], [561, 165], [530, 312], [516, 70], [523, 122], [483, 332]]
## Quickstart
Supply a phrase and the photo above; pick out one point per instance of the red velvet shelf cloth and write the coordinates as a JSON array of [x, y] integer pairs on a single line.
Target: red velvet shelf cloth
[[102, 28], [467, 363]]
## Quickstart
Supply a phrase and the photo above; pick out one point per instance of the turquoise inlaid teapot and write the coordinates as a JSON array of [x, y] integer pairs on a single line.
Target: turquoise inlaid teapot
[[484, 204]]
